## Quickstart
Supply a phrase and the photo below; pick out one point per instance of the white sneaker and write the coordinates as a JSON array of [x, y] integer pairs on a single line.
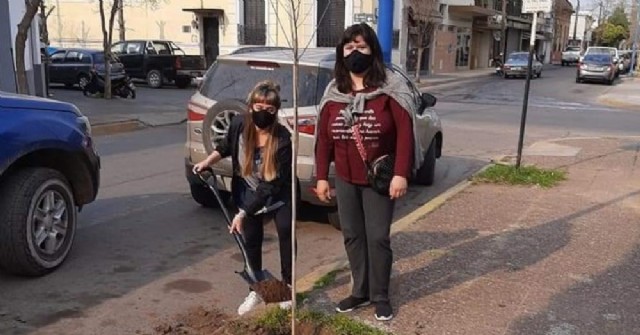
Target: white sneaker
[[285, 304], [250, 302]]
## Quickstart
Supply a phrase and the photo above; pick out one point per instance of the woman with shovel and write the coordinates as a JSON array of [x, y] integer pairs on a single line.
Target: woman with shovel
[[366, 127], [260, 150]]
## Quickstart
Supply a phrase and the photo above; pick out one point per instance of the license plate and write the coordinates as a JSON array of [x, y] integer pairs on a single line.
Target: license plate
[[195, 74], [516, 68]]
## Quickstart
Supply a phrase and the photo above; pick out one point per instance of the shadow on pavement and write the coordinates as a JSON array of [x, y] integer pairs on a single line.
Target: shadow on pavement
[[511, 251], [113, 258]]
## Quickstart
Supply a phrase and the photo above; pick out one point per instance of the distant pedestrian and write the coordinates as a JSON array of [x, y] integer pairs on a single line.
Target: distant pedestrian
[[366, 114], [260, 150]]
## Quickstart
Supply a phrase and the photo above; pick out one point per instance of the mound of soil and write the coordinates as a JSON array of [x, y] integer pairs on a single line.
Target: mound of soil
[[201, 321], [272, 290]]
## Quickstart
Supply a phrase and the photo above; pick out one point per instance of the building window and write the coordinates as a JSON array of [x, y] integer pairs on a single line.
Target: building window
[[186, 29], [396, 39], [330, 22]]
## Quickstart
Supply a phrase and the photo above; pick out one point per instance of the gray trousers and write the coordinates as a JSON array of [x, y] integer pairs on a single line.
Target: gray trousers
[[365, 218]]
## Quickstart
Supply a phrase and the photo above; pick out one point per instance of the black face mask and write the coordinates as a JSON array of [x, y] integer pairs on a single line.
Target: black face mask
[[357, 62], [263, 119]]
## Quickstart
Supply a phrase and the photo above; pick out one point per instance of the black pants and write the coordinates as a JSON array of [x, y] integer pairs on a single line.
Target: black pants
[[365, 217], [253, 232]]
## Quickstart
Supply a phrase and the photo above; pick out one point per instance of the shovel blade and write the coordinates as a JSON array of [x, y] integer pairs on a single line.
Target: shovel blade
[[268, 287]]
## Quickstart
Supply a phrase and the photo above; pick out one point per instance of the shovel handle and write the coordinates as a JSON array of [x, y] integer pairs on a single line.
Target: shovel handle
[[209, 178]]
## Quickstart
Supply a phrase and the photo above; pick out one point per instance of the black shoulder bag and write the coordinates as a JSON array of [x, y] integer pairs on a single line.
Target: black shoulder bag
[[380, 171]]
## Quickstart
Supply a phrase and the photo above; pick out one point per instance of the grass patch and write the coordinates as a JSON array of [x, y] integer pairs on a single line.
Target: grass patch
[[526, 175], [277, 321], [325, 280]]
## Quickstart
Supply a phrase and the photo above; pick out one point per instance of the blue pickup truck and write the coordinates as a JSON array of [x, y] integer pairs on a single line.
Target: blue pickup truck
[[49, 169]]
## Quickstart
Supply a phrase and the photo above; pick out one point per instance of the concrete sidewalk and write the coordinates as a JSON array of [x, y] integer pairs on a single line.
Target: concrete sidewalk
[[524, 260], [625, 94]]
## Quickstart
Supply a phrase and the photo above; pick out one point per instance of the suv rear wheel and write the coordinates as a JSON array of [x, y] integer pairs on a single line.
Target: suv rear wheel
[[38, 216], [206, 198], [426, 173]]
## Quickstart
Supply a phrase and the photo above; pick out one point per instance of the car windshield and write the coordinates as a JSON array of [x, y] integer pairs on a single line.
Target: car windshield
[[597, 58], [234, 80], [518, 57]]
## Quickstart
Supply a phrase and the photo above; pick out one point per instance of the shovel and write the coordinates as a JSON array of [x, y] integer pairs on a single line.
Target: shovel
[[261, 281]]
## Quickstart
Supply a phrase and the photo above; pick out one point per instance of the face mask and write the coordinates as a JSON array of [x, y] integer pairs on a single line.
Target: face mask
[[357, 62], [263, 119]]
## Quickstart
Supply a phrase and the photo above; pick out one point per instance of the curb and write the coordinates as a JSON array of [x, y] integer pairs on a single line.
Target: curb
[[618, 104], [115, 127], [306, 283], [449, 83]]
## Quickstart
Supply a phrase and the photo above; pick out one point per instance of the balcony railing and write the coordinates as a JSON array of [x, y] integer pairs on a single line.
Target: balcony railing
[[252, 35]]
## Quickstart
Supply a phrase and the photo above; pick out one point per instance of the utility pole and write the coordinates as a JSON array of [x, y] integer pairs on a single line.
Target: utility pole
[[575, 24], [503, 39]]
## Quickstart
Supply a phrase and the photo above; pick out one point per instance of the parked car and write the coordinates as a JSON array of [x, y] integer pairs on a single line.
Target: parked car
[[596, 67], [615, 56], [159, 62], [229, 80], [48, 170], [73, 66], [517, 64], [571, 55]]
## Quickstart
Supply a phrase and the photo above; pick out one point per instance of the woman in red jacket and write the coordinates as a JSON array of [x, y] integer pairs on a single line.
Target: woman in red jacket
[[367, 95]]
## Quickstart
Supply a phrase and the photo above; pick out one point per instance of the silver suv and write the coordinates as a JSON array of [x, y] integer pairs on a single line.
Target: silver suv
[[222, 95]]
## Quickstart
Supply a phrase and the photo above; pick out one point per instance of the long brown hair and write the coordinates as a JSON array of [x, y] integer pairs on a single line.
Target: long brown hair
[[375, 75], [266, 92]]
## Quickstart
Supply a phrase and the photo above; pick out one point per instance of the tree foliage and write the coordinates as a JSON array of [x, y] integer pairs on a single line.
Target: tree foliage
[[619, 18]]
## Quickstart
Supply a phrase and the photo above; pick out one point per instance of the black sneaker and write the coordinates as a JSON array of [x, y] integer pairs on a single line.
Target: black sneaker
[[351, 303], [384, 312]]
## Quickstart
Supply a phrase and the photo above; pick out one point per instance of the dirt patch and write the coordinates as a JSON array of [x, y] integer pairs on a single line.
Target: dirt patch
[[202, 321], [272, 290]]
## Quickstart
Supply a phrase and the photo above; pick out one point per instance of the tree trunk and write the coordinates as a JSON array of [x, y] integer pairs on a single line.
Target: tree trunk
[[21, 41], [419, 63], [121, 27], [107, 38]]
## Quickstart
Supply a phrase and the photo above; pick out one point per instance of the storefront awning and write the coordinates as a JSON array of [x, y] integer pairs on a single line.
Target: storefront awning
[[205, 11]]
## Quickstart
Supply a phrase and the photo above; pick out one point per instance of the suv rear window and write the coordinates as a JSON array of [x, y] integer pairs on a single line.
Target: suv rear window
[[234, 80]]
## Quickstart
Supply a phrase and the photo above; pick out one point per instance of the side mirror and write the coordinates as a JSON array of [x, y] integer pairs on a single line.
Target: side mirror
[[428, 100]]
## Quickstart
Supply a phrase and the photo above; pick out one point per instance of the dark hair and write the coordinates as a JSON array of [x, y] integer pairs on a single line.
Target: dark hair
[[375, 75]]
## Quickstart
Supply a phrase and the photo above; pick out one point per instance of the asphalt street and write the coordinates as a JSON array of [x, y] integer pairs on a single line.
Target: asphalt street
[[145, 251]]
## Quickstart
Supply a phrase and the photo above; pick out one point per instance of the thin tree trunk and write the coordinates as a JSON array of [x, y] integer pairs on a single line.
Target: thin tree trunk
[[21, 41], [107, 36], [419, 62], [121, 26]]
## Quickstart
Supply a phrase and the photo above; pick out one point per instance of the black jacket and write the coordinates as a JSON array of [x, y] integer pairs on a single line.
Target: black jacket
[[279, 187]]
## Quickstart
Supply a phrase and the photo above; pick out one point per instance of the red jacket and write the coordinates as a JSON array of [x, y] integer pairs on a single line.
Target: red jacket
[[386, 128]]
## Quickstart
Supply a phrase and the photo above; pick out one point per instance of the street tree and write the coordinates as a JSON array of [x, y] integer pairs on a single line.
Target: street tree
[[295, 15], [422, 19], [107, 38], [31, 9], [619, 18], [152, 4]]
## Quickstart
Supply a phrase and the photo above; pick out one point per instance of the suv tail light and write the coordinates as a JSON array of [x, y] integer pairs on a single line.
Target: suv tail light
[[192, 115], [178, 63], [306, 124]]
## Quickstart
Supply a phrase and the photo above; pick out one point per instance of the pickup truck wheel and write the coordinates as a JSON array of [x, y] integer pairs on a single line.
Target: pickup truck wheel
[[206, 198], [154, 79], [83, 80], [39, 218], [217, 121], [426, 173], [183, 82]]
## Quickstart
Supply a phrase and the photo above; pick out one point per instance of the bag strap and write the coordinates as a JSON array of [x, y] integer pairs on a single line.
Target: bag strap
[[357, 136]]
